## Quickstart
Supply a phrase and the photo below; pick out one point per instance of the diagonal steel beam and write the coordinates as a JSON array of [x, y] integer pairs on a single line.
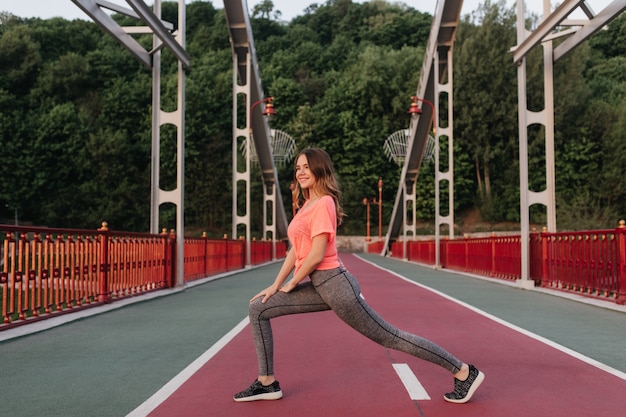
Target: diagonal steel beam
[[128, 12], [603, 18], [93, 10], [160, 31], [545, 27]]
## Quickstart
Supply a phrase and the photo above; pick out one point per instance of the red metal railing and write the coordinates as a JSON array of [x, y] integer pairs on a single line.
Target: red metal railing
[[45, 271], [586, 262], [205, 257], [592, 263]]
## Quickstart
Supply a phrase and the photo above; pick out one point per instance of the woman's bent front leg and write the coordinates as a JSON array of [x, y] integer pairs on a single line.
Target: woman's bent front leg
[[302, 299]]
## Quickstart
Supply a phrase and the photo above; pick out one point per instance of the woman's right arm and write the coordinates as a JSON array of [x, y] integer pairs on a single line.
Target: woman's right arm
[[283, 274]]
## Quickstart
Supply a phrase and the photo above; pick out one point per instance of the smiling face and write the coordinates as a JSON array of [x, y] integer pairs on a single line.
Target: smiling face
[[303, 174], [315, 177]]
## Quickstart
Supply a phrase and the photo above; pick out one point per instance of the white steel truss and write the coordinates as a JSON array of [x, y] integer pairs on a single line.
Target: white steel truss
[[247, 87], [551, 27], [163, 37], [436, 67]]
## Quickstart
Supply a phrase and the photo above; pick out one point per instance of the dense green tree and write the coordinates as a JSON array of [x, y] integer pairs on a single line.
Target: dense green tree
[[611, 42], [75, 115], [20, 59], [263, 10], [485, 98]]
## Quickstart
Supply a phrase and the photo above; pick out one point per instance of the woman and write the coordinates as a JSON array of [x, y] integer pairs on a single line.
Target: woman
[[314, 253]]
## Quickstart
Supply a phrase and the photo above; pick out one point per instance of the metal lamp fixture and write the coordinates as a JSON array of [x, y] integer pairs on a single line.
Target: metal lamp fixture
[[415, 111], [269, 110]]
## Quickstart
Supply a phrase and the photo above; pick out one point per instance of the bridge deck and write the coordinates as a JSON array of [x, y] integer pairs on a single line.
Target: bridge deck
[[169, 356]]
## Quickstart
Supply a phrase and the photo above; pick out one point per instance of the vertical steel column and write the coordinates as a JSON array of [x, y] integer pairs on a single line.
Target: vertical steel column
[[439, 175], [156, 128], [180, 146], [545, 117], [449, 131], [242, 89], [549, 195], [523, 146], [177, 119]]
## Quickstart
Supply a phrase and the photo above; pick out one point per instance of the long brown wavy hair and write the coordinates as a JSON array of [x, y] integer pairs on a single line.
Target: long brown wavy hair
[[321, 167]]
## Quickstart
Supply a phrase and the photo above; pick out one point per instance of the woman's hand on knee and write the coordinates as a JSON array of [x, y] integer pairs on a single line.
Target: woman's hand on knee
[[265, 294]]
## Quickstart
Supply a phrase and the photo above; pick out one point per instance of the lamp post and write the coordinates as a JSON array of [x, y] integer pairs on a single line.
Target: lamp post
[[379, 202], [366, 202], [380, 209]]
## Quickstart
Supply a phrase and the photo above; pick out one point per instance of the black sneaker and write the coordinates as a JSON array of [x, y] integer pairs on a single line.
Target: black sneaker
[[258, 391], [463, 390]]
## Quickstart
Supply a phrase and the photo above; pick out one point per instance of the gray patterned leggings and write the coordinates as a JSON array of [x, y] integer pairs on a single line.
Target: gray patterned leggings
[[338, 289]]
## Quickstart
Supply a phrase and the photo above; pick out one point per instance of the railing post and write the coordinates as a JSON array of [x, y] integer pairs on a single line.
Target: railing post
[[173, 243], [621, 265], [465, 251], [167, 259], [254, 250], [104, 297], [492, 239], [205, 263], [546, 280], [443, 254], [225, 254]]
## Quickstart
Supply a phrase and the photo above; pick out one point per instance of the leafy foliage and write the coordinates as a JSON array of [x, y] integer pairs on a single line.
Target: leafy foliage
[[75, 115]]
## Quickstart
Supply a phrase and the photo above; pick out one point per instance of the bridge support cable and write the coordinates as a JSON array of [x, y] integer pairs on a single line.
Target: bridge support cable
[[164, 37], [548, 29], [436, 66], [248, 91]]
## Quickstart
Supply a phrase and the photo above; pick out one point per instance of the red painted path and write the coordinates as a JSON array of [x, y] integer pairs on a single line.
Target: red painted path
[[326, 369]]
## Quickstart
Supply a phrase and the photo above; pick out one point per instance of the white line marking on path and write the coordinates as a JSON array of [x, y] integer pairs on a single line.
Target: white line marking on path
[[415, 389], [567, 351], [168, 389]]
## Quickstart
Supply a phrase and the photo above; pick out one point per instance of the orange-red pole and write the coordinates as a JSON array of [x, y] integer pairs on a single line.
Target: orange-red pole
[[621, 271], [380, 209], [104, 263], [366, 201]]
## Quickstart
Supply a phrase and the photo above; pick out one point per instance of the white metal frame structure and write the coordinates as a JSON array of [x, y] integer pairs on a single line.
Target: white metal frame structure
[[247, 87], [443, 84], [438, 61], [163, 37], [547, 30], [436, 68]]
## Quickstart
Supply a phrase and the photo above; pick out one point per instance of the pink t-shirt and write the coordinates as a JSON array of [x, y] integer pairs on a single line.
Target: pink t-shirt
[[313, 219]]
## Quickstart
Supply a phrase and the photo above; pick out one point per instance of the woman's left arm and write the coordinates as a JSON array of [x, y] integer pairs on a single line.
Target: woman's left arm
[[312, 260]]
